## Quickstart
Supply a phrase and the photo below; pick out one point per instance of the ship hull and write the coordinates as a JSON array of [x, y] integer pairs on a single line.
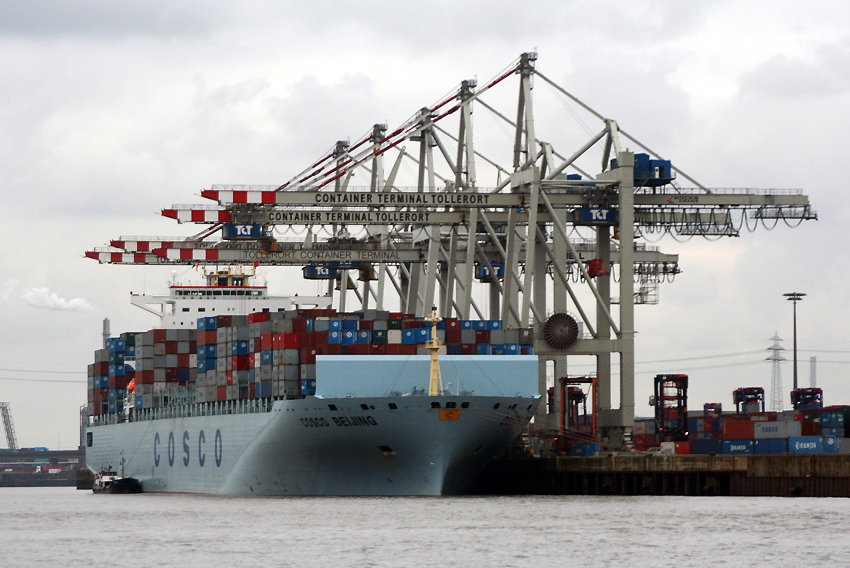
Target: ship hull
[[319, 446]]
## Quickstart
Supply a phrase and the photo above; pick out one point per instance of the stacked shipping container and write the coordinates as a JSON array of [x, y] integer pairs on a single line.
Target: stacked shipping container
[[806, 431], [271, 354]]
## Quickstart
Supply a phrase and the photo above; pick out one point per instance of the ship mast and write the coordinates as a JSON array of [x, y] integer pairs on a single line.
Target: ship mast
[[435, 388]]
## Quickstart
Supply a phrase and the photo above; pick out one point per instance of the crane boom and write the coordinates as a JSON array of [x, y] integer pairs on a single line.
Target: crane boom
[[8, 426]]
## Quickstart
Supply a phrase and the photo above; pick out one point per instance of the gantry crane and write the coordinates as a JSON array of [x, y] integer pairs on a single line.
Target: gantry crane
[[8, 426], [553, 236]]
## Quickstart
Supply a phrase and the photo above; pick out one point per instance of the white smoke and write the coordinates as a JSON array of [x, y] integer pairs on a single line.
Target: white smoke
[[45, 299], [8, 288]]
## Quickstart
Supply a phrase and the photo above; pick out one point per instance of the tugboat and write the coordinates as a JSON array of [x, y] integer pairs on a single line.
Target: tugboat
[[108, 481]]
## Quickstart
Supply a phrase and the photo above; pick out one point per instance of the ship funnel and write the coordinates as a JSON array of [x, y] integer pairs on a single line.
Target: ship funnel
[[106, 333]]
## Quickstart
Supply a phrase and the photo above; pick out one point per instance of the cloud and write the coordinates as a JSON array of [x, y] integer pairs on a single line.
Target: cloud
[[45, 299]]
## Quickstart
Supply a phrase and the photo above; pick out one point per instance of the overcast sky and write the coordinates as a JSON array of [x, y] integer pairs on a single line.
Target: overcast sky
[[110, 111]]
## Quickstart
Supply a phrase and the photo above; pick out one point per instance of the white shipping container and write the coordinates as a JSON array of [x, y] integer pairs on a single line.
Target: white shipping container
[[394, 336], [776, 430]]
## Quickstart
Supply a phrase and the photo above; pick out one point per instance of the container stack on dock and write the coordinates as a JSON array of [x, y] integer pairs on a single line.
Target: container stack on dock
[[795, 432], [271, 354]]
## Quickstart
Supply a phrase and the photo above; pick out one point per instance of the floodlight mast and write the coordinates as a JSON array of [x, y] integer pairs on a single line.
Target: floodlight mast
[[795, 297]]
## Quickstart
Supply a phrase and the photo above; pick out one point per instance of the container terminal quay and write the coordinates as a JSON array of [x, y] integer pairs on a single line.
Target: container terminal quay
[[550, 233]]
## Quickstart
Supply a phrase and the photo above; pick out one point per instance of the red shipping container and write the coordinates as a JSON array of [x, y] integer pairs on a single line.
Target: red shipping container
[[333, 349], [170, 347], [299, 325], [738, 429], [144, 377], [258, 317], [266, 341], [171, 375], [305, 339], [453, 336], [399, 349], [452, 324], [193, 347], [183, 360], [204, 338], [412, 324], [683, 448], [308, 355], [329, 349], [366, 324], [221, 393], [482, 336], [395, 315], [159, 336], [241, 363], [810, 429], [224, 321], [290, 341], [102, 368], [378, 349], [357, 349], [467, 349]]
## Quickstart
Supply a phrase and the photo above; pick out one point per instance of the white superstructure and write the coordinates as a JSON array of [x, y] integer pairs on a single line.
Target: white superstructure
[[226, 293]]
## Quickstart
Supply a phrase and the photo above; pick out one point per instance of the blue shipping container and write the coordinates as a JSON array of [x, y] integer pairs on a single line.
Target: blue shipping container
[[349, 337], [832, 420], [707, 446], [379, 336], [266, 357], [408, 337], [584, 449], [830, 444], [737, 446], [768, 446], [805, 445]]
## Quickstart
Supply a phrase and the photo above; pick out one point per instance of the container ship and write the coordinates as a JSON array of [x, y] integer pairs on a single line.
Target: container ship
[[238, 392]]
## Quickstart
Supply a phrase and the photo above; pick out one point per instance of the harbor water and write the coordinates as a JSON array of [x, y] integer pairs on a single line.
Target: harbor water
[[66, 527]]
